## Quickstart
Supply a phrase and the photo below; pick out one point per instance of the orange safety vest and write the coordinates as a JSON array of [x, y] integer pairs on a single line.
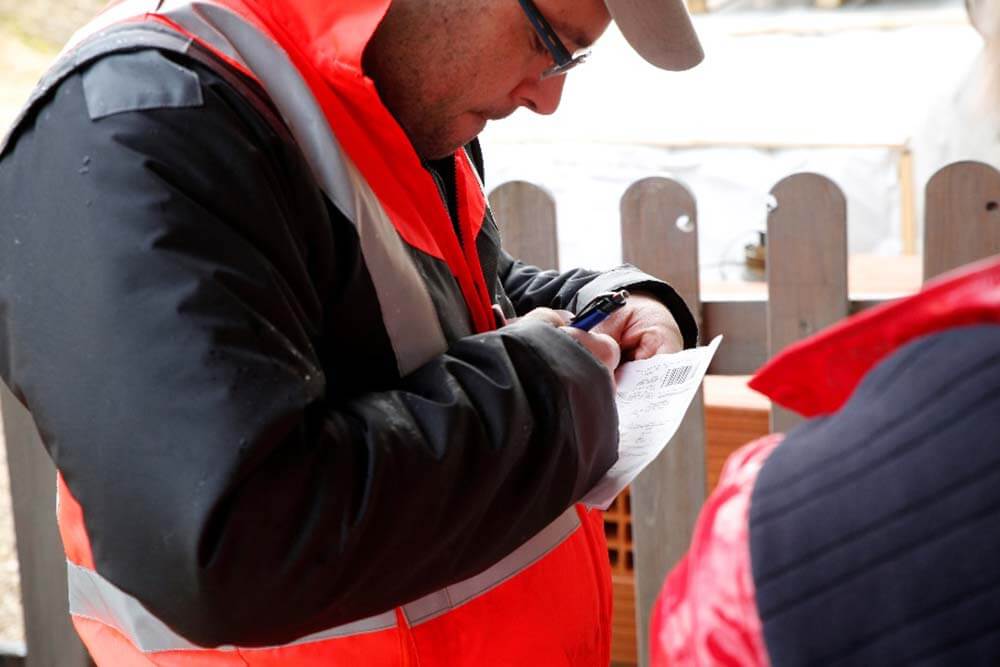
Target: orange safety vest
[[548, 602]]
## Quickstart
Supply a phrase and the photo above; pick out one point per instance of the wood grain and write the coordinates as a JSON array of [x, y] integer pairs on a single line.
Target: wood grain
[[526, 216], [963, 217], [806, 266], [50, 638], [659, 235]]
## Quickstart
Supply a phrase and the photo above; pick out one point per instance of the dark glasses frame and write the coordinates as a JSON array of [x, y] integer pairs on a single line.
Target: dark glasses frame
[[564, 60]]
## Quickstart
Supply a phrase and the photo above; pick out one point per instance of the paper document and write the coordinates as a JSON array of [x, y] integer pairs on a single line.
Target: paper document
[[653, 396]]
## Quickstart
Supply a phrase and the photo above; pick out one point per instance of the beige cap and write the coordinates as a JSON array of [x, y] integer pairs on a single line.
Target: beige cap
[[660, 30]]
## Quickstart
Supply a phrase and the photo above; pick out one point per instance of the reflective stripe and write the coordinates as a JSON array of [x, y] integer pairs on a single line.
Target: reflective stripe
[[405, 303], [92, 596], [406, 306], [287, 89], [430, 606], [408, 312], [187, 15], [182, 12]]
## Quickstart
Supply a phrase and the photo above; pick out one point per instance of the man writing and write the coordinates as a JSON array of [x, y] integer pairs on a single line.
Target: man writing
[[249, 294]]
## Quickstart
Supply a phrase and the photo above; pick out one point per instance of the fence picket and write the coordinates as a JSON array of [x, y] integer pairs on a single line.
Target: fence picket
[[962, 217], [526, 214], [659, 235], [50, 638], [808, 290], [806, 266]]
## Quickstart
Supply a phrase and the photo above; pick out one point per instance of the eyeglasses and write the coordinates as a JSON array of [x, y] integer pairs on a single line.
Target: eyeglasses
[[565, 61]]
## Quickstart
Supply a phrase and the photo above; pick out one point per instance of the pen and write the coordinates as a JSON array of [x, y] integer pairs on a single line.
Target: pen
[[599, 309]]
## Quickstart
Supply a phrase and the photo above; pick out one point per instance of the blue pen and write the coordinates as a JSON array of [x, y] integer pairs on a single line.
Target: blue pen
[[599, 309]]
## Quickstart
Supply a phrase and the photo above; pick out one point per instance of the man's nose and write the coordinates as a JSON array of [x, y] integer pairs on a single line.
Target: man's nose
[[540, 95]]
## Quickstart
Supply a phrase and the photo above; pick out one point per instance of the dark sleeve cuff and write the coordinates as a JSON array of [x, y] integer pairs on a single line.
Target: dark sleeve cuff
[[630, 278]]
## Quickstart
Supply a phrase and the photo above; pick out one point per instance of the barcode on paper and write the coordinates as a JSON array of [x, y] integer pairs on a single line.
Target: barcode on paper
[[676, 376]]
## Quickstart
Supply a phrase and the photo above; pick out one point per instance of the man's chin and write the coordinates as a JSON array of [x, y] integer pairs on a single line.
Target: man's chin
[[465, 129]]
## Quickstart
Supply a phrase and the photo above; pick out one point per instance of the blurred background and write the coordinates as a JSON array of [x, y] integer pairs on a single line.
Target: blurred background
[[877, 95]]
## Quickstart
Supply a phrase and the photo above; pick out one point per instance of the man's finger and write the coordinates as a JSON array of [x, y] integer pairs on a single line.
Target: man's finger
[[603, 347], [556, 318]]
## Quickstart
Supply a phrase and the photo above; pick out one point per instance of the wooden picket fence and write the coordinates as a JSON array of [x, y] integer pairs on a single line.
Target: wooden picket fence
[[807, 283], [649, 528]]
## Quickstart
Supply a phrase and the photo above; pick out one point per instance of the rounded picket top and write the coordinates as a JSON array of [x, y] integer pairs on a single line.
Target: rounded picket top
[[660, 233], [807, 229], [526, 216], [806, 264], [962, 216], [805, 190]]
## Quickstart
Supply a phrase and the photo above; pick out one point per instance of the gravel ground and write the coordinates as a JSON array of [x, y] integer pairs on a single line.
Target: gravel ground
[[11, 618], [50, 22], [23, 57], [21, 63]]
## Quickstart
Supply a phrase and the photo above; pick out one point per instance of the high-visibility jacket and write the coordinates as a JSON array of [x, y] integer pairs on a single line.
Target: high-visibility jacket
[[868, 535], [189, 380]]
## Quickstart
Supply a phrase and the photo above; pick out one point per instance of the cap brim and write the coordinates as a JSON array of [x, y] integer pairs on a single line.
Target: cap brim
[[659, 30]]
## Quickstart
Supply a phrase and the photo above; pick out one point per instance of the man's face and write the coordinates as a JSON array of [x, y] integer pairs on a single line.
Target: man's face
[[446, 67]]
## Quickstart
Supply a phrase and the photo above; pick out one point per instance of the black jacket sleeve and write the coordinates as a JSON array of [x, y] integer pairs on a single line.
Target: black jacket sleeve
[[530, 287], [162, 314]]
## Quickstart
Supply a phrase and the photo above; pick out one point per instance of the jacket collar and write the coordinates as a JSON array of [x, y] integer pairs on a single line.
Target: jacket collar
[[817, 375], [330, 33], [325, 40]]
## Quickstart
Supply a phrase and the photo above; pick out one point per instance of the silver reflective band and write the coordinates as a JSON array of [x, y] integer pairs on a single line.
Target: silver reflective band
[[431, 606], [404, 300], [187, 15], [405, 303], [94, 597], [183, 12]]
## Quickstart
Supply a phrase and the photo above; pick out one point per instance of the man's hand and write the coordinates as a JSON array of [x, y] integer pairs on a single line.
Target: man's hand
[[602, 346], [643, 328], [556, 318]]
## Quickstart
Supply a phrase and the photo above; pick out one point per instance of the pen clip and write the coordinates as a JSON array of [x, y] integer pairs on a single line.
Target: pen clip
[[607, 303]]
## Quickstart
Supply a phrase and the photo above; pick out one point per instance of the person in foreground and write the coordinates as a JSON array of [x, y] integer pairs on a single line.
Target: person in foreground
[[869, 534], [251, 293]]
